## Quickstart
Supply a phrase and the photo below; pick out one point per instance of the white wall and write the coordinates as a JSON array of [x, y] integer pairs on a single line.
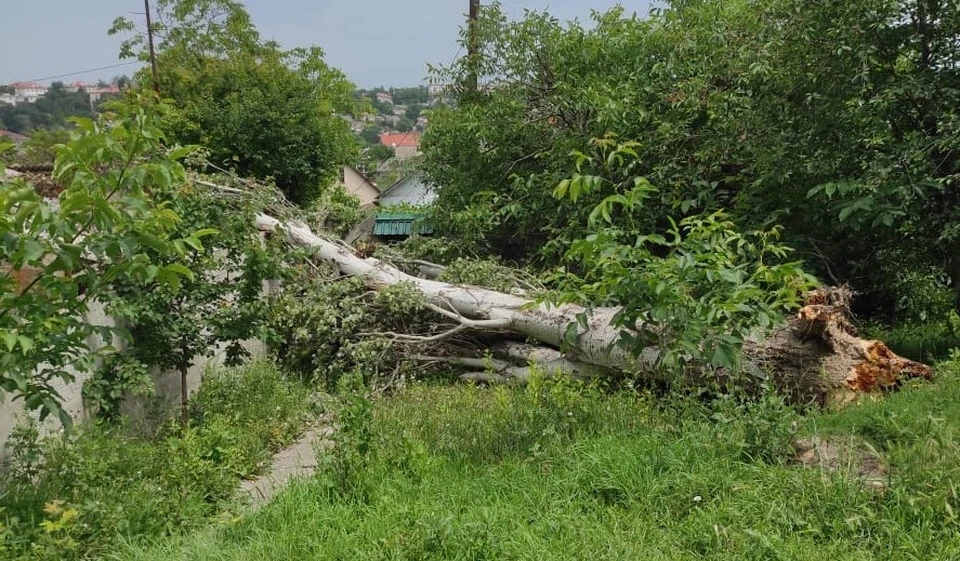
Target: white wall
[[167, 385]]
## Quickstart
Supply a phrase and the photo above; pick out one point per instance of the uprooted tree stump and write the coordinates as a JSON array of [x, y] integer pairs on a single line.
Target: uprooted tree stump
[[815, 356]]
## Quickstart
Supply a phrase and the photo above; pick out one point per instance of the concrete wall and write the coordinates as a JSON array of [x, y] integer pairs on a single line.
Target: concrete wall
[[142, 409], [12, 411]]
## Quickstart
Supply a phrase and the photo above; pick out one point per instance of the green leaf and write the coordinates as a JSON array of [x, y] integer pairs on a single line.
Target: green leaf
[[25, 343], [180, 270], [845, 212], [10, 340]]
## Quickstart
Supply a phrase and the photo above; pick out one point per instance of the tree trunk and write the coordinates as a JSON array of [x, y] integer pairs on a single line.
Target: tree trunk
[[815, 356]]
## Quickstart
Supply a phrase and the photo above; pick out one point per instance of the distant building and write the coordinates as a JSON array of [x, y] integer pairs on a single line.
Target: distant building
[[394, 223], [392, 120], [27, 92], [384, 97], [94, 91], [13, 137], [359, 186], [405, 144], [410, 190]]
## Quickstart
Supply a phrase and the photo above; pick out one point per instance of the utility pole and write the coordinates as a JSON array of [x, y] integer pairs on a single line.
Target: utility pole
[[473, 46], [153, 54]]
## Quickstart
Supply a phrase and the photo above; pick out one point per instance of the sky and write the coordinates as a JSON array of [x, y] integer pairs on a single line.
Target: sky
[[375, 42]]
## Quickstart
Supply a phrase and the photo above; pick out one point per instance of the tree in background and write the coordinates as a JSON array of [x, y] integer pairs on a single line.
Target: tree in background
[[219, 306], [49, 111], [260, 110], [837, 121]]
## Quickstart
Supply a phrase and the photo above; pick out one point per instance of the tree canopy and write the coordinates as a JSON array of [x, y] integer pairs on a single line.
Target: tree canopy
[[50, 110], [259, 109], [838, 121]]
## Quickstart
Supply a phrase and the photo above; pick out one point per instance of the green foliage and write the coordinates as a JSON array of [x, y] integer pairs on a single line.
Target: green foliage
[[622, 478], [220, 303], [325, 329], [259, 109], [489, 273], [50, 111], [433, 248], [925, 342], [410, 96], [836, 121], [342, 469], [110, 223], [40, 149], [336, 211], [120, 376], [80, 497], [697, 291], [373, 157]]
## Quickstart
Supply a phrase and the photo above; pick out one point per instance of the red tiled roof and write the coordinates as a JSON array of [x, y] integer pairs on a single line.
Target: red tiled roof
[[400, 139], [15, 137]]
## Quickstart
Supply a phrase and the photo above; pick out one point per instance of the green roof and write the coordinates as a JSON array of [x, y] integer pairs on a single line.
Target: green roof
[[391, 224]]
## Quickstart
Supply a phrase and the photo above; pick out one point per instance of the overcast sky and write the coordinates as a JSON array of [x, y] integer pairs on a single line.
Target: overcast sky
[[376, 42]]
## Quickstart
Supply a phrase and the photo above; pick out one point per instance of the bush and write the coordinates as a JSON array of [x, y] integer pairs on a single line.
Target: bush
[[322, 331], [78, 496]]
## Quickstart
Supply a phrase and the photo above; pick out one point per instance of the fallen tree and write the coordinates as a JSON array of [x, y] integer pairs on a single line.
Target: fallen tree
[[814, 356]]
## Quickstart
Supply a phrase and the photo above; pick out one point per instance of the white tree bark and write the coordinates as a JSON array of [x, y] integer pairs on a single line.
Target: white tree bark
[[815, 356]]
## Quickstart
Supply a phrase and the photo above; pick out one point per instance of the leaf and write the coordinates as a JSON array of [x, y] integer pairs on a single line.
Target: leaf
[[204, 232], [724, 356], [25, 343], [32, 250], [10, 340], [846, 211], [180, 270]]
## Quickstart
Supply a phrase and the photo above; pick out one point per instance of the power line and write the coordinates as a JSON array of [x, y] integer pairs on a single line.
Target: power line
[[128, 63]]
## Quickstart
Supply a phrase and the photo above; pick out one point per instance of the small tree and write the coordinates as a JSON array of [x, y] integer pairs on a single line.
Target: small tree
[[220, 304], [55, 259]]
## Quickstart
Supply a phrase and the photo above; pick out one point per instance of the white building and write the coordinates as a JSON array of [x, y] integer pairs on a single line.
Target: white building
[[28, 91]]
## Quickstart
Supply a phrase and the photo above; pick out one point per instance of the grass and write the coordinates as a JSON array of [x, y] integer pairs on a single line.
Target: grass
[[78, 497], [557, 471]]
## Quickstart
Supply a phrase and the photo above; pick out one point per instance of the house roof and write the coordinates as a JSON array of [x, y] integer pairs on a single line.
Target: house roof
[[400, 139], [362, 176], [410, 190], [15, 137], [387, 224]]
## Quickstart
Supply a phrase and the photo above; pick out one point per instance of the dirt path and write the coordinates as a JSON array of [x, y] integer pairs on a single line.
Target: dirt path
[[299, 460]]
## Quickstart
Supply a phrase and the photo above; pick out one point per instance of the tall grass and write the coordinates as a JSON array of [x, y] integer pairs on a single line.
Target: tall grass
[[558, 471], [78, 496]]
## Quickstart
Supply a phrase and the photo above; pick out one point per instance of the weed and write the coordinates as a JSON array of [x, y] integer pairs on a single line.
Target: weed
[[78, 496]]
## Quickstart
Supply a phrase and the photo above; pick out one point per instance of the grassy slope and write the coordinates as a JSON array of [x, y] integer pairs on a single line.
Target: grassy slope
[[553, 473]]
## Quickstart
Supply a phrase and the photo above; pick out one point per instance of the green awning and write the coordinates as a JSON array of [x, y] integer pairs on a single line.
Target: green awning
[[387, 224]]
